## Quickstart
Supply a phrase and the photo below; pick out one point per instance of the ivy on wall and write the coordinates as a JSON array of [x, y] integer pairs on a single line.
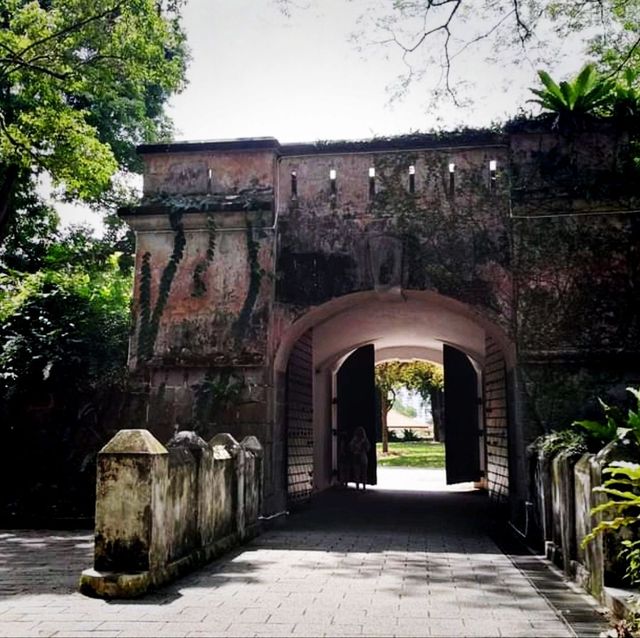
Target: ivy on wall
[[256, 273], [199, 287], [447, 241], [150, 318]]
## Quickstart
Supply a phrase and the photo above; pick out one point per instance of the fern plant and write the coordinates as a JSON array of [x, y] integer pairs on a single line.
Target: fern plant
[[572, 100], [622, 509], [626, 96], [623, 489], [598, 434]]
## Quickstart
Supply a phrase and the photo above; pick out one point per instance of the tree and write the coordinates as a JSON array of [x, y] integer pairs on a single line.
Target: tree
[[427, 379], [421, 376], [81, 83], [437, 38], [64, 328]]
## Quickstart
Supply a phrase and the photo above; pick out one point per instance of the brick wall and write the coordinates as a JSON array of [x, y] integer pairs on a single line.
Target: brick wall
[[495, 402], [300, 420]]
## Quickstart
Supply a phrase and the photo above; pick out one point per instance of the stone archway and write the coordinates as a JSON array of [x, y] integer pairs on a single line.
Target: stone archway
[[415, 325]]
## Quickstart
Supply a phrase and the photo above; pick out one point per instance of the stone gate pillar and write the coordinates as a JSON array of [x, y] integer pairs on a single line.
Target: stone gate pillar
[[203, 292]]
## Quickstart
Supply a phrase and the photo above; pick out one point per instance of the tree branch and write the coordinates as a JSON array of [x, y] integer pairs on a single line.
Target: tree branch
[[625, 59], [5, 129], [17, 63], [524, 32]]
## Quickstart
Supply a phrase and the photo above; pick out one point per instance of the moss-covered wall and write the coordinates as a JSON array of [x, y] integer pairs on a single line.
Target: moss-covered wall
[[449, 235], [576, 268], [199, 350]]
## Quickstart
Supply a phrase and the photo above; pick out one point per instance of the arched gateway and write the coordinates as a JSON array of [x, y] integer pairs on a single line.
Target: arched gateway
[[262, 267]]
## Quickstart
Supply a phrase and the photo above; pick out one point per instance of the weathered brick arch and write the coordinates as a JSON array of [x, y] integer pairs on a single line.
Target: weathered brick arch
[[421, 322]]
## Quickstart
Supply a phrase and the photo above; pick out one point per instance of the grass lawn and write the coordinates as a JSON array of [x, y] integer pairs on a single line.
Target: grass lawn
[[426, 454]]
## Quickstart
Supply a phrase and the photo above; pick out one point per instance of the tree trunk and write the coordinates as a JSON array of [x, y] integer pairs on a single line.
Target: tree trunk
[[437, 409], [384, 409], [9, 177]]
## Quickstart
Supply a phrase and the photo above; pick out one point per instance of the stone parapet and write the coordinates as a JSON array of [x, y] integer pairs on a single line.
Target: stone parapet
[[568, 481], [161, 511]]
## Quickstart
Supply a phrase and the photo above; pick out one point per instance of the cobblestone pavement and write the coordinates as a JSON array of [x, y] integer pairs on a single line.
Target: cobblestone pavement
[[379, 563]]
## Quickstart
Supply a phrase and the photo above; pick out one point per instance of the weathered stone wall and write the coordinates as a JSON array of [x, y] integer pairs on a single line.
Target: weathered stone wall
[[448, 235], [576, 262], [567, 482], [181, 511], [161, 511], [535, 233]]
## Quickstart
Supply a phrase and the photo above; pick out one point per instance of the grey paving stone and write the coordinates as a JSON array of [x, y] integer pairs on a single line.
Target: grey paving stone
[[389, 564]]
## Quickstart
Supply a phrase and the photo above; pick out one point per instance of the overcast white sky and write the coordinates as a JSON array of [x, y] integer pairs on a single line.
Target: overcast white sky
[[255, 72]]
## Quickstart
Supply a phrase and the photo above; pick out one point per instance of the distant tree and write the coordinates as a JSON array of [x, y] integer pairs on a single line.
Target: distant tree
[[427, 379], [424, 377], [404, 409]]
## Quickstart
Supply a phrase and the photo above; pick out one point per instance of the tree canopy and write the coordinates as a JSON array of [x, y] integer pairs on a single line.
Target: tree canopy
[[81, 83], [423, 377], [420, 376]]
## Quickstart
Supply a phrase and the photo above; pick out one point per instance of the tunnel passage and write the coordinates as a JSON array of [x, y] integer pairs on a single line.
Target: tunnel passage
[[329, 379]]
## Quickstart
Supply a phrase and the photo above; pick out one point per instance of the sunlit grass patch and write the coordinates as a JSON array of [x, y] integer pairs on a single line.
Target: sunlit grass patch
[[424, 454]]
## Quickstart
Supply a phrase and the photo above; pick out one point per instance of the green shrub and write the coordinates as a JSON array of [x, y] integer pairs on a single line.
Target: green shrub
[[623, 509], [64, 332], [622, 487]]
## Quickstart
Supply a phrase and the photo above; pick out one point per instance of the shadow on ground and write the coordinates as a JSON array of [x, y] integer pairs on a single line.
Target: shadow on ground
[[384, 562]]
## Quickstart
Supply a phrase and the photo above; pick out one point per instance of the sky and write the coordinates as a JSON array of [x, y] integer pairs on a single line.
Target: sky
[[256, 72]]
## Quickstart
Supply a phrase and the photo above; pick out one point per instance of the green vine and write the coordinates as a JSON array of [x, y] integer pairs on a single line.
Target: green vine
[[199, 287], [150, 319], [256, 273], [145, 299]]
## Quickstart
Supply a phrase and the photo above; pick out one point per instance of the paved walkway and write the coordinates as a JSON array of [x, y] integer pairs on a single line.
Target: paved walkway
[[380, 563]]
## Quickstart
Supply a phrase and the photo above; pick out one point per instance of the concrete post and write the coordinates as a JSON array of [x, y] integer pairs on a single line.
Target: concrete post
[[237, 453], [206, 507], [254, 481], [589, 558], [131, 481]]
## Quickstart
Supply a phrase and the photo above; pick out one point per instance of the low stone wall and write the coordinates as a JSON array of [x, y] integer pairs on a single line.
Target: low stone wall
[[161, 511], [564, 498]]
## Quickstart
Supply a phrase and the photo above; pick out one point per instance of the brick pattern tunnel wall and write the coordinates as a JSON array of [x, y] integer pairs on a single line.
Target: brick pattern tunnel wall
[[496, 431], [300, 420]]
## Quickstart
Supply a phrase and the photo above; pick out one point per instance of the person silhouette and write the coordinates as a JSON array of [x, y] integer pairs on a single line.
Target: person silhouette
[[359, 448]]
